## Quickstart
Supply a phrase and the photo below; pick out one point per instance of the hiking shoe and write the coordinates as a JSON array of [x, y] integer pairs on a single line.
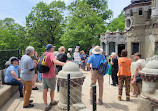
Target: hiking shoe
[[48, 108], [127, 98], [119, 98], [36, 88], [28, 106], [113, 84], [54, 103]]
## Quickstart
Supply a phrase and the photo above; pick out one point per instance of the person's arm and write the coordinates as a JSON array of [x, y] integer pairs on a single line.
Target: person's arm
[[89, 61], [136, 70], [31, 65], [136, 73], [56, 62], [14, 75], [88, 65]]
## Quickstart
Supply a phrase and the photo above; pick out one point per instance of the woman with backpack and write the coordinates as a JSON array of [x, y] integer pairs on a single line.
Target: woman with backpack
[[63, 58]]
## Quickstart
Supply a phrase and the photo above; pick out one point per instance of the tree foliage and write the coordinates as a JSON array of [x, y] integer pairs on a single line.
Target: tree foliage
[[12, 35], [117, 23], [44, 24], [85, 24]]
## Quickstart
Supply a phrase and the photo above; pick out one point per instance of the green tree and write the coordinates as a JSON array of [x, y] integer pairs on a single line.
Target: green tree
[[117, 23], [12, 35], [44, 24], [85, 24]]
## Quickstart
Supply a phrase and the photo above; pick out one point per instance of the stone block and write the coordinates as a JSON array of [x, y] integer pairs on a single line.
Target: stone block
[[6, 92], [77, 107], [144, 104], [86, 109]]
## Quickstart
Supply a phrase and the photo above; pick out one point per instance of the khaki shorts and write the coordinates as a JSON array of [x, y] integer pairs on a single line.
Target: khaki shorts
[[49, 83]]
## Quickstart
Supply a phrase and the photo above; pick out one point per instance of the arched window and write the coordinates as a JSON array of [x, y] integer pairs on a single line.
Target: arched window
[[140, 11], [149, 13], [131, 12]]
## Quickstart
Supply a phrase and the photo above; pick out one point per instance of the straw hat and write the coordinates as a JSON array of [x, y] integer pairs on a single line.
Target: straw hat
[[97, 50], [62, 49]]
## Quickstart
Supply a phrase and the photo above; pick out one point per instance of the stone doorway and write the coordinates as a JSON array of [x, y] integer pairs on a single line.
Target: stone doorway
[[111, 47], [120, 48]]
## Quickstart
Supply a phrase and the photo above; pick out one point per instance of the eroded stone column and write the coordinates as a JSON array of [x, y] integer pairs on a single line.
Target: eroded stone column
[[148, 101], [77, 79]]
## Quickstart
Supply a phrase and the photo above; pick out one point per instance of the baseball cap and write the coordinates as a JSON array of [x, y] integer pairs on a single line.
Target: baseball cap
[[49, 46], [13, 59]]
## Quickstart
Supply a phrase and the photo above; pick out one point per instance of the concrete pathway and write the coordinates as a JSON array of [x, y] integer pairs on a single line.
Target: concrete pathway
[[110, 100]]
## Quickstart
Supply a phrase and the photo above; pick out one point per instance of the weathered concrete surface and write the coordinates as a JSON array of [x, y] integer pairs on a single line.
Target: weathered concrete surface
[[110, 100], [6, 92]]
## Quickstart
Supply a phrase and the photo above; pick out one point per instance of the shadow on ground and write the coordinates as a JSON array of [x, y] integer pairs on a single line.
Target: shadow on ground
[[116, 106]]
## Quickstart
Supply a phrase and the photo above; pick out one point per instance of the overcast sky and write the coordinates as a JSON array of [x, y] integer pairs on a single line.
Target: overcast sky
[[19, 9]]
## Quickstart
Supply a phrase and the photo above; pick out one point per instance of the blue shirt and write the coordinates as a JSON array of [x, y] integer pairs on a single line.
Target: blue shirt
[[17, 68], [95, 60], [90, 51], [83, 56], [8, 76]]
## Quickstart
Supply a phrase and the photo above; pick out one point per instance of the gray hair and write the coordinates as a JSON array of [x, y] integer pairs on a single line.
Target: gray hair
[[29, 50], [114, 54]]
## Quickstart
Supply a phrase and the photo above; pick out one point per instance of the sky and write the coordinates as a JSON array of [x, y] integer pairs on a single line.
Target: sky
[[19, 9]]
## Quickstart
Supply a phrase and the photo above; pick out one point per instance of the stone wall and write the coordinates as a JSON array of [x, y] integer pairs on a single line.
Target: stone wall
[[135, 35], [0, 78]]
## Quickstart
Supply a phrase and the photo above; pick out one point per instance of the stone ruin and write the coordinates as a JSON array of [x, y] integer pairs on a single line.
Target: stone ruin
[[148, 100]]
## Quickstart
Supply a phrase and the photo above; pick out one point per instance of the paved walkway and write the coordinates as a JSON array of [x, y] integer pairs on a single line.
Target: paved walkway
[[110, 99]]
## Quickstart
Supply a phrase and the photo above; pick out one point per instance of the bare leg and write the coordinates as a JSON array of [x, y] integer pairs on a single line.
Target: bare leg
[[135, 87], [52, 96], [45, 96], [34, 80]]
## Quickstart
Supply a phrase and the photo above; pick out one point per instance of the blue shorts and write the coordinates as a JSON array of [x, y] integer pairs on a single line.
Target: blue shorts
[[138, 78]]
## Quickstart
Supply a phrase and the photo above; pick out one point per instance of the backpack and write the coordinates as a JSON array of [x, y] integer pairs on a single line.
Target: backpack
[[42, 64], [103, 66]]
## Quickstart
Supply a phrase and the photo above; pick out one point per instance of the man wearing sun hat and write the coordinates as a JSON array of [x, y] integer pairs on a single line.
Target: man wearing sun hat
[[49, 81], [95, 59]]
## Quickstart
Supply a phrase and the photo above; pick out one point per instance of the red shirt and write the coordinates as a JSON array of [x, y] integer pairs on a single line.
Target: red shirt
[[49, 58]]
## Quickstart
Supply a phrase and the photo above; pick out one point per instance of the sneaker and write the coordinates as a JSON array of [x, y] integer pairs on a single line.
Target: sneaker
[[54, 103], [127, 98], [30, 101], [28, 106], [119, 98], [48, 108], [100, 102], [36, 88], [113, 84]]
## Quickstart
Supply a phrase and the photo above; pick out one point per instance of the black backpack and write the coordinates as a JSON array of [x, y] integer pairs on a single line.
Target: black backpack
[[42, 64]]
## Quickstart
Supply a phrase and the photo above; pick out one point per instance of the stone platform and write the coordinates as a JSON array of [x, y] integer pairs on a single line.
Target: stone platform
[[110, 100]]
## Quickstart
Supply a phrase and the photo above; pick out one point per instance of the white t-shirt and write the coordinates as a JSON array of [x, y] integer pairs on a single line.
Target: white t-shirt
[[77, 56]]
